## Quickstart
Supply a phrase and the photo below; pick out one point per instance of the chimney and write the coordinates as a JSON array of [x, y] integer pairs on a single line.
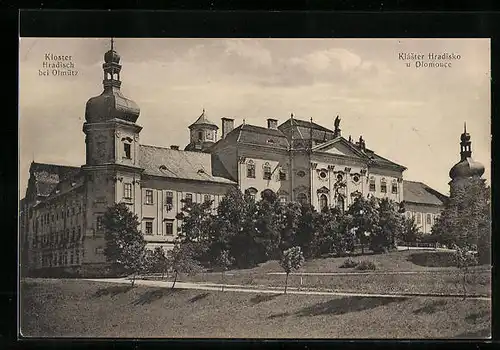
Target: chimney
[[227, 126], [272, 123], [174, 147]]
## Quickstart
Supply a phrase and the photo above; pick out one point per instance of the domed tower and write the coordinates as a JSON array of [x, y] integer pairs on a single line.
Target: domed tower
[[112, 171], [467, 167], [203, 134]]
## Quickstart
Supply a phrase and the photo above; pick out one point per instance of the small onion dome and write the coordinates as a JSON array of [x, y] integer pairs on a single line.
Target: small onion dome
[[111, 104], [111, 57], [465, 137], [466, 168]]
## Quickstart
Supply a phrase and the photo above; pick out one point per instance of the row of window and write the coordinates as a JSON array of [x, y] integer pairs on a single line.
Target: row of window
[[418, 217], [61, 258], [54, 238], [169, 228], [267, 171], [169, 196], [383, 186], [54, 216]]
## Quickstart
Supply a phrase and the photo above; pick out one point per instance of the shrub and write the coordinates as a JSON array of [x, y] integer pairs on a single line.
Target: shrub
[[366, 265], [348, 263]]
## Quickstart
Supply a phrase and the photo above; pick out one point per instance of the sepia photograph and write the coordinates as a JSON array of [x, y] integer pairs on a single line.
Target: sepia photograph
[[254, 188]]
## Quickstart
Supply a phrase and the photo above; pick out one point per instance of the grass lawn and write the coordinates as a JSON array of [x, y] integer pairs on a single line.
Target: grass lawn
[[73, 308], [441, 278]]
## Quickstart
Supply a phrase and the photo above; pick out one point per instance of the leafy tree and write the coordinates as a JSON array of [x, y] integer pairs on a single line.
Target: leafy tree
[[329, 231], [235, 228], [268, 226], [289, 217], [466, 218], [365, 219], [182, 260], [223, 262], [197, 224], [125, 245], [307, 236], [464, 259], [291, 259], [409, 232], [389, 226], [160, 263]]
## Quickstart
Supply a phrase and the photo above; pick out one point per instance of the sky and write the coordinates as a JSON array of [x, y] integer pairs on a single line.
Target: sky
[[412, 116]]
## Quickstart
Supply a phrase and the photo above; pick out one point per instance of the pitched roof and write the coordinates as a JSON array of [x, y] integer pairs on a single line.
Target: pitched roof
[[47, 176], [418, 192], [303, 124], [257, 135], [202, 120], [166, 162]]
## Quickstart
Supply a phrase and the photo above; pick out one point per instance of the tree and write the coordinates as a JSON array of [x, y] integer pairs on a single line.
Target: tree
[[160, 263], [125, 245], [182, 260], [291, 259], [289, 218], [409, 232], [234, 229], [466, 218], [307, 235], [197, 224], [389, 226], [267, 226], [464, 259], [329, 231], [223, 261], [364, 218]]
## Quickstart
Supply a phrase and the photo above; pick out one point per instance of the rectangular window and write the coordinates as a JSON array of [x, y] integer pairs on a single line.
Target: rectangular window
[[127, 191], [149, 196], [394, 187], [267, 174], [71, 257], [428, 219], [77, 258], [127, 150], [169, 227], [98, 225], [206, 198], [189, 198], [383, 187], [419, 218], [372, 186], [169, 199], [149, 227], [282, 175]]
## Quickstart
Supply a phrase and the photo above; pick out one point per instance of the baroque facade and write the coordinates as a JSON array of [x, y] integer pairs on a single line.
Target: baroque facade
[[60, 216]]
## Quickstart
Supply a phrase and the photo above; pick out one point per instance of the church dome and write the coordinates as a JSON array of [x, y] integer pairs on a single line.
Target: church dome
[[111, 104], [466, 168]]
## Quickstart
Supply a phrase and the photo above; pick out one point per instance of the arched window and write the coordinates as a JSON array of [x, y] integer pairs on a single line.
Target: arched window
[[323, 202], [251, 169], [302, 198], [340, 204], [127, 147], [267, 171], [383, 185], [200, 135], [372, 184], [252, 192]]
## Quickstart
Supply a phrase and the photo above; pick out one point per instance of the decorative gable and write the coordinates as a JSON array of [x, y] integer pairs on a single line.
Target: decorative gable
[[339, 146]]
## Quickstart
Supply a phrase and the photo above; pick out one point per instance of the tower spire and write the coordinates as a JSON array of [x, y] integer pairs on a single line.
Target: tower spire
[[112, 42]]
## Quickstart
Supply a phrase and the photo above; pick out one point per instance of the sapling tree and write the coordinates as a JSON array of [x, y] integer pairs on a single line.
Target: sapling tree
[[465, 258], [222, 263], [291, 259], [181, 260]]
